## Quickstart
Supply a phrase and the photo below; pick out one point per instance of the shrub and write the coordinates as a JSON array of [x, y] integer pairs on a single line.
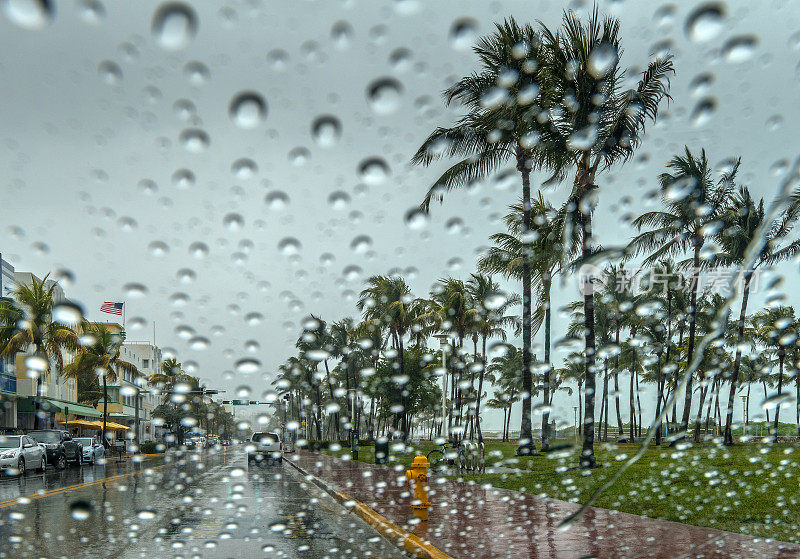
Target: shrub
[[151, 448]]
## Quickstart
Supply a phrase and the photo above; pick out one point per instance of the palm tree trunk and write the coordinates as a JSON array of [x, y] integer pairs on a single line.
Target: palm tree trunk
[[587, 458], [546, 411], [605, 400], [781, 355], [699, 417], [526, 446], [659, 394], [639, 408], [105, 409], [480, 391], [632, 414], [687, 403], [580, 408], [764, 384], [620, 430], [403, 415], [737, 361]]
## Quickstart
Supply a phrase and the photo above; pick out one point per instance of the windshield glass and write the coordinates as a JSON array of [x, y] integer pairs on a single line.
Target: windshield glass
[[49, 437], [9, 442], [516, 276], [85, 442]]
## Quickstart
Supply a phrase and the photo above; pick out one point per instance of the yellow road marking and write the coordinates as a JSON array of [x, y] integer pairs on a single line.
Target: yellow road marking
[[50, 493]]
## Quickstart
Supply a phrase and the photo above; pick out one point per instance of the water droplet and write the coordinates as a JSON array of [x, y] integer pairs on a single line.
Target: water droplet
[[384, 95], [184, 109], [146, 514], [92, 11], [602, 60], [278, 60], [109, 72], [183, 179], [194, 140], [373, 170], [299, 156], [740, 49], [199, 343], [29, 14], [196, 72], [454, 225], [276, 200], [416, 219], [277, 526], [174, 25], [252, 346], [463, 33], [326, 130], [342, 34], [339, 200], [254, 318], [247, 366], [289, 245], [134, 290], [248, 109], [198, 250], [186, 275], [317, 355], [705, 22], [400, 59], [67, 313], [244, 168], [361, 244], [80, 510], [703, 111], [233, 221]]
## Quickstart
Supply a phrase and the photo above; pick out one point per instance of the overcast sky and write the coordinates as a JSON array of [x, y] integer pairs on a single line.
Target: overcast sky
[[227, 174]]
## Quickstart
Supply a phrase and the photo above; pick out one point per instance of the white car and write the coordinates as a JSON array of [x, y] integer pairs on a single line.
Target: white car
[[19, 453], [93, 451], [263, 447]]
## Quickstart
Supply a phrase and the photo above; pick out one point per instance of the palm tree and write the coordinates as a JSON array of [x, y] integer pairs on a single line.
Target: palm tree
[[694, 206], [595, 124], [775, 329], [744, 220], [100, 355], [171, 374], [505, 370], [388, 300], [500, 125], [490, 322], [547, 257], [26, 325]]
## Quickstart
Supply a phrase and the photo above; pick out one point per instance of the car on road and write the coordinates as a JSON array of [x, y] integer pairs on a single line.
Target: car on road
[[59, 447], [93, 450], [264, 447], [18, 453]]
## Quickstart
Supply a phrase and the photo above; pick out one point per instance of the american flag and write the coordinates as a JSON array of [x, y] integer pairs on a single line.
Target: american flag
[[112, 308]]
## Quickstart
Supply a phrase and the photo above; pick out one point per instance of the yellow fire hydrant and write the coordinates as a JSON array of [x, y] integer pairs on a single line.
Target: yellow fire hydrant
[[418, 476]]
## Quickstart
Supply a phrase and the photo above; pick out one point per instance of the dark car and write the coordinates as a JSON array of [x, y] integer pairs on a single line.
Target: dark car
[[59, 447]]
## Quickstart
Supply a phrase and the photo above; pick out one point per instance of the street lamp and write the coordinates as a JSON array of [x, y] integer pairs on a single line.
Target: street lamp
[[444, 342]]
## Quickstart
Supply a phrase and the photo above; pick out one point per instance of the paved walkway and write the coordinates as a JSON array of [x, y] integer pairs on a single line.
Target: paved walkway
[[467, 520]]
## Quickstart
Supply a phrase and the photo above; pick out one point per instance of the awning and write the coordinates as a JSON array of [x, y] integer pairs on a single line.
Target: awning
[[111, 426], [79, 423], [51, 405]]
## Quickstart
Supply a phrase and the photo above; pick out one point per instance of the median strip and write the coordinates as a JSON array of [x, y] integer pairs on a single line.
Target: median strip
[[402, 538]]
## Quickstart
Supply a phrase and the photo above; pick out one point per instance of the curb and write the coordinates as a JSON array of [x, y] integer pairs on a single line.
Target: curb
[[403, 539]]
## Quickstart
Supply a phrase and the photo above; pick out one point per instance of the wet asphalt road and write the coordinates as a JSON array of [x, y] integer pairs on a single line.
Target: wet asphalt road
[[198, 505]]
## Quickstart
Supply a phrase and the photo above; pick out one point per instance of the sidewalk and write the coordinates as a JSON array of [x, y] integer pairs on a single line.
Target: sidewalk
[[467, 520]]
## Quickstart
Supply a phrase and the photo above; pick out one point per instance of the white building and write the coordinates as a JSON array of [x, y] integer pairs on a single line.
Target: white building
[[147, 358]]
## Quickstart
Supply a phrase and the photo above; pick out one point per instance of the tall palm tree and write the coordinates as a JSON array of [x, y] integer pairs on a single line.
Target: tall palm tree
[[595, 123], [388, 300], [101, 356], [776, 329], [743, 220], [694, 207], [548, 256], [491, 321], [26, 325], [506, 370], [502, 103]]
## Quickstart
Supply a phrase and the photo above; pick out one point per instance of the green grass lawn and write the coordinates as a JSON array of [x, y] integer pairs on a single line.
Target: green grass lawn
[[751, 488]]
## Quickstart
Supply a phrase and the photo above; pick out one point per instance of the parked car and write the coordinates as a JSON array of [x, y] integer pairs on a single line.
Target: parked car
[[93, 450], [21, 452], [59, 447], [263, 447]]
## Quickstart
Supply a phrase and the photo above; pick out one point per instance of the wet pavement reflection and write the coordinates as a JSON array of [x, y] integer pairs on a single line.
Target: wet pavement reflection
[[206, 505]]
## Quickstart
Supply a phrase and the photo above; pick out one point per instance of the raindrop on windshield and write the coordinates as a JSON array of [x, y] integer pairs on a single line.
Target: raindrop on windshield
[[174, 25], [248, 109]]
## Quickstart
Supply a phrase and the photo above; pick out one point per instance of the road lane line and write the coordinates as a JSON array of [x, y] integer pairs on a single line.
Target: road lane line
[[51, 492]]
